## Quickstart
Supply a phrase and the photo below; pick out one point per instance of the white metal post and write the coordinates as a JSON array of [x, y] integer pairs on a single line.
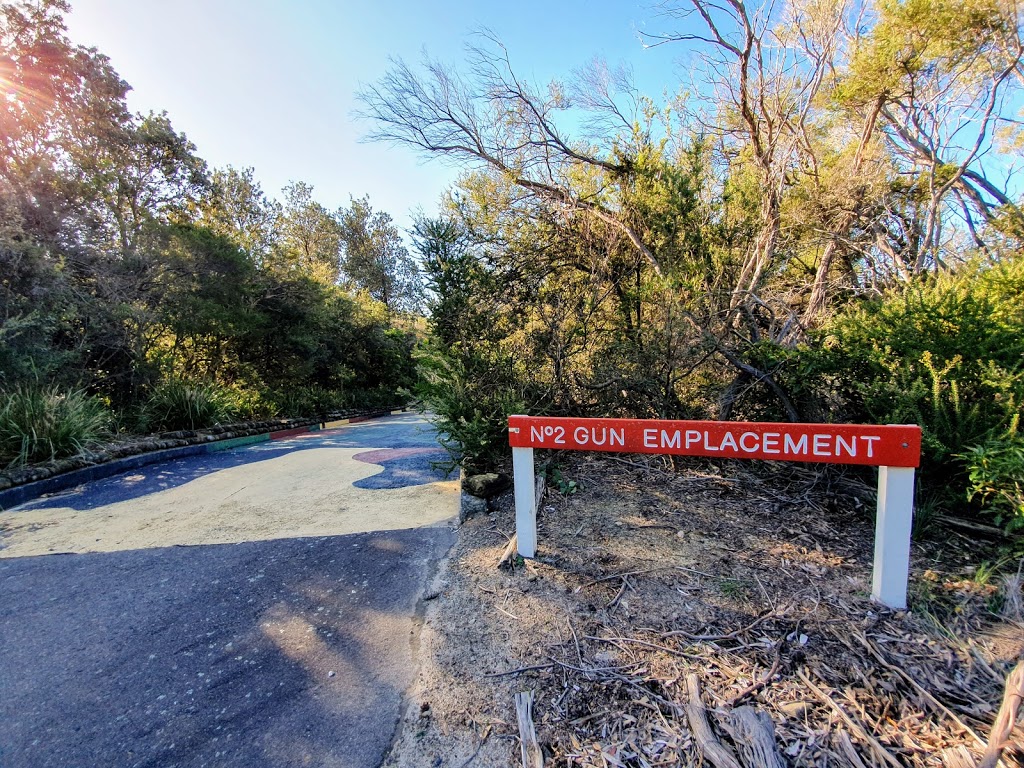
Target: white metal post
[[526, 501], [892, 536]]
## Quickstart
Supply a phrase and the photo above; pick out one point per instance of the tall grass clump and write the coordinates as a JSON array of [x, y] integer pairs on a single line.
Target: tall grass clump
[[312, 400], [38, 423], [180, 404]]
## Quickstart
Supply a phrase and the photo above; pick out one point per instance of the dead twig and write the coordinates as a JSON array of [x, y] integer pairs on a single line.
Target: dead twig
[[655, 646], [617, 576], [519, 671], [576, 640], [728, 636], [881, 752], [999, 737], [644, 467], [759, 684], [618, 595], [510, 615]]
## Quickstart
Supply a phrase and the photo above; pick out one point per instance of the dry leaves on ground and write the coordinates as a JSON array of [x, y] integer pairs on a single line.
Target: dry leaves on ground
[[751, 587]]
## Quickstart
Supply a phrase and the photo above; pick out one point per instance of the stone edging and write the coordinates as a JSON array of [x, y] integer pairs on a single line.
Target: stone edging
[[21, 485]]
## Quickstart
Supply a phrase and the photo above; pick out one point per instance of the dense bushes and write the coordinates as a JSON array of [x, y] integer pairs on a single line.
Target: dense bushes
[[470, 401], [995, 475], [947, 353]]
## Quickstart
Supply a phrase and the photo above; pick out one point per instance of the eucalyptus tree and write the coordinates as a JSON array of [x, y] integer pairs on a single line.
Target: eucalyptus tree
[[492, 119], [375, 260], [238, 208], [945, 76]]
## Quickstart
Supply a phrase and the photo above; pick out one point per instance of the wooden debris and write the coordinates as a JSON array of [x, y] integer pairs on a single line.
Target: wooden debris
[[779, 624], [696, 714], [957, 757], [530, 749], [754, 735], [999, 738], [881, 752], [510, 551], [849, 751]]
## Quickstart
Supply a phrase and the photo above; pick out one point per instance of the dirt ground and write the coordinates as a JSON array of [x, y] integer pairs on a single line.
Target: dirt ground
[[751, 588]]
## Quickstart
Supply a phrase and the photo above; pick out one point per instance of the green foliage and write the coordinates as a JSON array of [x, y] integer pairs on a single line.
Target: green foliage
[[470, 402], [947, 353], [178, 404], [297, 402], [995, 475], [38, 423], [128, 269], [375, 259], [558, 480]]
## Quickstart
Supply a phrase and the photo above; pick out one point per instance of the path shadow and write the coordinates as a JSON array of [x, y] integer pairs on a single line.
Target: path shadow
[[283, 652]]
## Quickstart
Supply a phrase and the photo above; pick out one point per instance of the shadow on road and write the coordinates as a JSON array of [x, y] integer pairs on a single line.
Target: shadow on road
[[272, 653]]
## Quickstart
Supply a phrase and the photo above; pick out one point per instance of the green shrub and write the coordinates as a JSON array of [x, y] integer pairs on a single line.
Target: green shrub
[[178, 404], [470, 401], [946, 353], [246, 403], [995, 473], [300, 401], [38, 423]]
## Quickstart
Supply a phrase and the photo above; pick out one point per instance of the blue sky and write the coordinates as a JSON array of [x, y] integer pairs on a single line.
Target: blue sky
[[271, 83]]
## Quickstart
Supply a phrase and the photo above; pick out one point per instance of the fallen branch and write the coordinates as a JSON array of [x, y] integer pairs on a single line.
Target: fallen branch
[[754, 734], [529, 747], [710, 747], [999, 737]]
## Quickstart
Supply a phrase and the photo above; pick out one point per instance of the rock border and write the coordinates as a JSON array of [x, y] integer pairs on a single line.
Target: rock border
[[27, 483]]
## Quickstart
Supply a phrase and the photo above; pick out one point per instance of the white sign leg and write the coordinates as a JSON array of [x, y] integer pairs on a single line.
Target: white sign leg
[[526, 501], [892, 536]]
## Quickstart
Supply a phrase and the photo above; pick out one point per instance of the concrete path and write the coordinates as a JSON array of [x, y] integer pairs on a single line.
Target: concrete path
[[282, 633]]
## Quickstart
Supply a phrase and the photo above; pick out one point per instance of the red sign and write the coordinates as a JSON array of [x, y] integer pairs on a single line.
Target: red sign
[[890, 446]]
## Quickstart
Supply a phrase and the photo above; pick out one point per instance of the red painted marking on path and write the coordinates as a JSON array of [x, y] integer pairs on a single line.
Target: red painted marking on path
[[869, 445], [390, 454]]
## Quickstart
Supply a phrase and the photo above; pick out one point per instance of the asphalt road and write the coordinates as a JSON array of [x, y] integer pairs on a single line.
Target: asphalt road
[[174, 643]]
